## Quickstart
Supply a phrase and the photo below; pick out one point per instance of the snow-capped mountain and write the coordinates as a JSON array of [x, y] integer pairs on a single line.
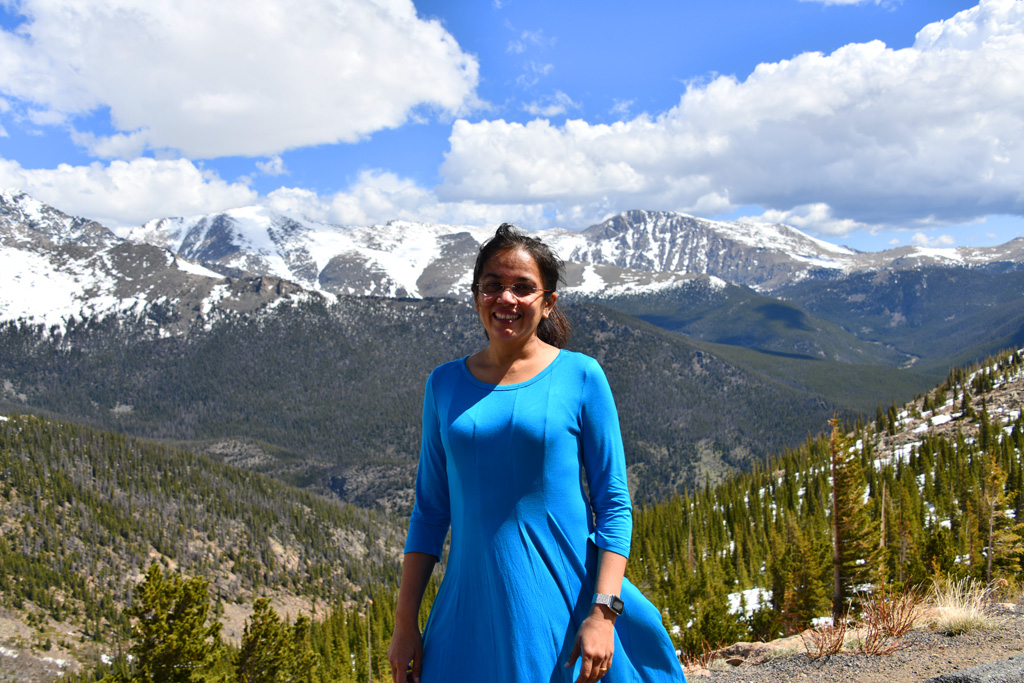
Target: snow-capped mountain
[[55, 268], [636, 249]]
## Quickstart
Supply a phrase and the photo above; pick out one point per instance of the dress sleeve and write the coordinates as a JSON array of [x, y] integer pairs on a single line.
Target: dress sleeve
[[431, 514], [604, 462]]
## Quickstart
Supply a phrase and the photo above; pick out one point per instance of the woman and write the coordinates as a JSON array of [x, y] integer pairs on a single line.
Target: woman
[[535, 569]]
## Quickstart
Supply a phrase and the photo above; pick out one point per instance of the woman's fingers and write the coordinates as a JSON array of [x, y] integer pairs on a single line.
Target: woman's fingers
[[593, 669], [595, 644], [405, 655]]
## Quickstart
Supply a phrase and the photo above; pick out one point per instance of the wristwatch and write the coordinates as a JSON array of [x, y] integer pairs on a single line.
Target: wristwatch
[[612, 602]]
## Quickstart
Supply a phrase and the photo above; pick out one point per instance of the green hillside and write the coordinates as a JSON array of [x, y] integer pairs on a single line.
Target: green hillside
[[84, 512], [941, 485], [329, 396]]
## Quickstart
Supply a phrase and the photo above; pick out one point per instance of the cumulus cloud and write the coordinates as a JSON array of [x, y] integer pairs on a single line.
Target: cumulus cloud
[[274, 166], [812, 217], [380, 196], [865, 136], [125, 194], [922, 240], [232, 77]]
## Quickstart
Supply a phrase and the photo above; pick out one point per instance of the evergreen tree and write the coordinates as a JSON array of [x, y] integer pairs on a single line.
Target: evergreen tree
[[173, 641], [262, 656], [855, 556], [807, 582], [1004, 546]]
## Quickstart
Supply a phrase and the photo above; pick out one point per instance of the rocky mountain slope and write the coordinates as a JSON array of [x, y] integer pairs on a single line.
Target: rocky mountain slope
[[419, 260]]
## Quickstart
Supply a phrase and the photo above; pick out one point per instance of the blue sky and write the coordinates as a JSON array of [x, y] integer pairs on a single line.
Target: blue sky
[[872, 123]]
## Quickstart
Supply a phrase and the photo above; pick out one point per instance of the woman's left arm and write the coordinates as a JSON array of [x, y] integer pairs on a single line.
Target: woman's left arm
[[605, 465], [595, 640]]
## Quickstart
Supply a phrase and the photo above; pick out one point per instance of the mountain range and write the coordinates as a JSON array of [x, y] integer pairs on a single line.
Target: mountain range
[[307, 343], [633, 250]]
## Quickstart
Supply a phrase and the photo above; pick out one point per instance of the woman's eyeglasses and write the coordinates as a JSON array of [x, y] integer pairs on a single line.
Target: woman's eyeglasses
[[494, 289]]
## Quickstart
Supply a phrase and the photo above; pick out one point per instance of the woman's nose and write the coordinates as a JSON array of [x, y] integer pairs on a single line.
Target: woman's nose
[[507, 296]]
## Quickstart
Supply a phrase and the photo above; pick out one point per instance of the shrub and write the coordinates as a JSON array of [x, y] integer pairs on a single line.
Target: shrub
[[962, 605], [825, 641], [887, 618]]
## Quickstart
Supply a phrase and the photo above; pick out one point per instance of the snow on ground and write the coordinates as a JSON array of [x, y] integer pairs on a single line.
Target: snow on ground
[[749, 600], [43, 294], [592, 282], [187, 266]]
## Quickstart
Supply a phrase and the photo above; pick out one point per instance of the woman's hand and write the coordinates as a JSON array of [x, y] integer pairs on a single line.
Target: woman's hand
[[406, 646], [595, 643]]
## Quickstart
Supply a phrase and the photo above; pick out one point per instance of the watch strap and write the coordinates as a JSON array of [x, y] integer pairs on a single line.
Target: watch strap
[[612, 602]]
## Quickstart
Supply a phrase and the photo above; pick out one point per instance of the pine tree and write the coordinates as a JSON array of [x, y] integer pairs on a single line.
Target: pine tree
[[173, 642], [807, 583], [855, 556], [262, 655], [1004, 542]]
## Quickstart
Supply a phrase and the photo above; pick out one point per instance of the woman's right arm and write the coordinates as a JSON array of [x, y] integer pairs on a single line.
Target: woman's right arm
[[428, 526], [406, 642]]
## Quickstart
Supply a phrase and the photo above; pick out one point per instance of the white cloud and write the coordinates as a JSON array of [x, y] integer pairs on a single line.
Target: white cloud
[[125, 194], [621, 107], [866, 136], [533, 73], [923, 240], [274, 166], [379, 196], [233, 77], [119, 146], [816, 218], [529, 39], [554, 105]]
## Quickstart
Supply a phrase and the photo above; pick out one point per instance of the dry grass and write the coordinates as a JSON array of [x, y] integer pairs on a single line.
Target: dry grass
[[825, 641], [888, 617], [962, 605], [705, 660]]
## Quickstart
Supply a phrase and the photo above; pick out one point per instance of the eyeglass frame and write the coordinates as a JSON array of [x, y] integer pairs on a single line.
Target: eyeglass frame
[[477, 285]]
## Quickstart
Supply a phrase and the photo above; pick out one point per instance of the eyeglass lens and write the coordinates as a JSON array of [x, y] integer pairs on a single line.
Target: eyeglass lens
[[518, 289]]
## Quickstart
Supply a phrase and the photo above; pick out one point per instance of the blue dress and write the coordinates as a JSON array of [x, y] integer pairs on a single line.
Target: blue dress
[[500, 465]]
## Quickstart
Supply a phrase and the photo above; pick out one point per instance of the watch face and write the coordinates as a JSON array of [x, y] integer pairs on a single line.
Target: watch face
[[617, 605]]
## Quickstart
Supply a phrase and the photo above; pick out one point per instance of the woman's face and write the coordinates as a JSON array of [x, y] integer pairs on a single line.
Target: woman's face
[[505, 317]]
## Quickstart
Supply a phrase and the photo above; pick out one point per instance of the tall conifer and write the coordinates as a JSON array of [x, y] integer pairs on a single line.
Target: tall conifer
[[855, 555]]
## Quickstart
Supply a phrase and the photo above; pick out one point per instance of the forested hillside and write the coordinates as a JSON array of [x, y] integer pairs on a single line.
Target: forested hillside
[[329, 395], [83, 513], [935, 488]]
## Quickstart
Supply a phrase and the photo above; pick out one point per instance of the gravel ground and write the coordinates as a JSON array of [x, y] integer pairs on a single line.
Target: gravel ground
[[927, 655]]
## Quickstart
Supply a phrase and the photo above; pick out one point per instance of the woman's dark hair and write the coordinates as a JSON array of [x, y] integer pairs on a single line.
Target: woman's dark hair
[[553, 329]]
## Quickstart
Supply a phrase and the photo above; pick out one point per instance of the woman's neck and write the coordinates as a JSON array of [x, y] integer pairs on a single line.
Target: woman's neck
[[509, 364]]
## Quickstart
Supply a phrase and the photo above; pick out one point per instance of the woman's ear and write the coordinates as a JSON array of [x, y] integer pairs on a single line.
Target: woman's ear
[[549, 304]]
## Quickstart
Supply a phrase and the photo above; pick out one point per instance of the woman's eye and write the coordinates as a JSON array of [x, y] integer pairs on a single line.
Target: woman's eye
[[522, 289], [492, 288]]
